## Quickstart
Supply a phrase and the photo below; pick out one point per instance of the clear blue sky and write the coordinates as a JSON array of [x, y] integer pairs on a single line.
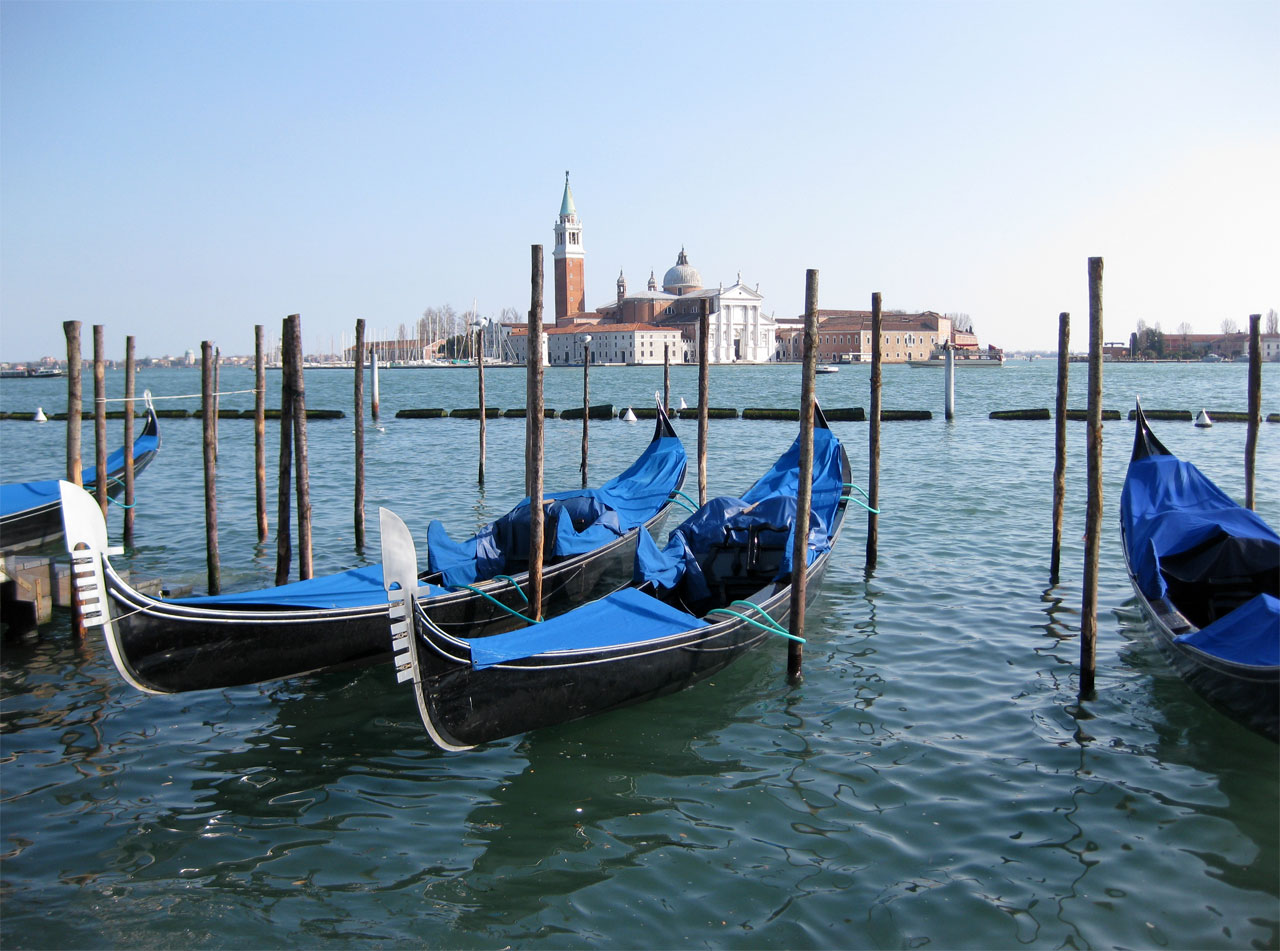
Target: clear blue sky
[[182, 171]]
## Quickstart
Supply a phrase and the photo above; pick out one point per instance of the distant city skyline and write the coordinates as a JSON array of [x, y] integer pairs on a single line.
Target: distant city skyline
[[182, 172]]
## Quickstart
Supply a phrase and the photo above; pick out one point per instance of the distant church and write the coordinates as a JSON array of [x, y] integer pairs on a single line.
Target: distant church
[[632, 323]]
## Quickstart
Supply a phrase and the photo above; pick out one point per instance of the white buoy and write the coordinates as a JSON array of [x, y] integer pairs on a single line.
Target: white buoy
[[683, 404], [628, 416], [40, 416], [1203, 420]]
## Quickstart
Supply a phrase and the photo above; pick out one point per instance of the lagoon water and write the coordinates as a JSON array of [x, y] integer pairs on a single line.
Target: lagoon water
[[932, 782]]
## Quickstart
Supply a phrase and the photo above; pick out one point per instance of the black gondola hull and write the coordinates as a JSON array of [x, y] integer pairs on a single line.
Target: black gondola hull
[[468, 707], [164, 647], [42, 524], [1248, 694]]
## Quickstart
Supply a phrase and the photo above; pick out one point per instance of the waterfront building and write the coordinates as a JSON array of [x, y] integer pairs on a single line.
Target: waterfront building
[[610, 343], [844, 336]]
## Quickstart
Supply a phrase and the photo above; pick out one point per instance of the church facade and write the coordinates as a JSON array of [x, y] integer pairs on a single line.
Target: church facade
[[739, 331]]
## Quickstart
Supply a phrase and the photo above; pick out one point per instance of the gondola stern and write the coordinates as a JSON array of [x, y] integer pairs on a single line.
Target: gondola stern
[[662, 425], [1145, 443]]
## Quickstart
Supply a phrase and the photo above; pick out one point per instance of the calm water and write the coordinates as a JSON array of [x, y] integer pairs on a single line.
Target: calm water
[[930, 783]]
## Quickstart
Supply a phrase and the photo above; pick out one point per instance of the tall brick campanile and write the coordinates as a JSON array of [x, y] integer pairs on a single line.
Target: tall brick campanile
[[571, 294]]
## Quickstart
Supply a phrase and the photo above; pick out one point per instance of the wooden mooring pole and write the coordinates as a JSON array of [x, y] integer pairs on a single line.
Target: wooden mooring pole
[[1093, 517], [534, 424], [260, 432], [284, 496], [1060, 445], [357, 355], [1255, 407], [873, 450], [804, 494], [586, 402], [100, 417], [666, 378], [949, 382], [373, 375], [209, 441], [75, 401], [704, 393], [480, 395], [130, 384], [301, 472]]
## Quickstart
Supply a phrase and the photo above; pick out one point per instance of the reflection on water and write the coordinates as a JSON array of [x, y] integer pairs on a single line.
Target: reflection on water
[[932, 781]]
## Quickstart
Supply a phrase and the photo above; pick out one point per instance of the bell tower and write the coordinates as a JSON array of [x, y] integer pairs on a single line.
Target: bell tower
[[571, 296]]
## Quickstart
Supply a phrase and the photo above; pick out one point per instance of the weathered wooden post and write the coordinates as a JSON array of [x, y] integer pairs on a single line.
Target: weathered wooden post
[[1060, 445], [301, 472], [260, 431], [534, 424], [75, 414], [75, 401], [373, 373], [130, 382], [666, 378], [209, 426], [1255, 407], [480, 377], [804, 495], [100, 417], [949, 381], [284, 496], [217, 395], [873, 452], [1093, 517], [704, 393], [357, 357], [586, 401]]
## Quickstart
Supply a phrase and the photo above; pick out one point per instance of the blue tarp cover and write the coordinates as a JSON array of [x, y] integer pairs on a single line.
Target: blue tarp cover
[[1168, 507], [619, 618], [1248, 635], [585, 519], [347, 589], [20, 496], [771, 503]]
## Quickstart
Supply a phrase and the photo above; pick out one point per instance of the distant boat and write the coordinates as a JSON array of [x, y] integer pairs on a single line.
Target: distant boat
[[991, 357], [1211, 358], [827, 368]]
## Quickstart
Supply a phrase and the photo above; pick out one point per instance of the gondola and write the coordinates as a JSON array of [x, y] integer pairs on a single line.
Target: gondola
[[1207, 573], [31, 512], [476, 586], [720, 587]]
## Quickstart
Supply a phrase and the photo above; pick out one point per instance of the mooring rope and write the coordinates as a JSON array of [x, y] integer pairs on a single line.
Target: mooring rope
[[188, 396]]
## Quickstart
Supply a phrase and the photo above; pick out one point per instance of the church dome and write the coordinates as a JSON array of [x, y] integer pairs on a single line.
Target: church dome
[[681, 278]]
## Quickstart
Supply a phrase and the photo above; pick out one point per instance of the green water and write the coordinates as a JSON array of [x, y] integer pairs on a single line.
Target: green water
[[933, 782]]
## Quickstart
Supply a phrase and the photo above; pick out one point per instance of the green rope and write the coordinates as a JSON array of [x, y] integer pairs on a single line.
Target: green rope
[[681, 495], [112, 480], [682, 503], [512, 611], [773, 627], [516, 584], [861, 491]]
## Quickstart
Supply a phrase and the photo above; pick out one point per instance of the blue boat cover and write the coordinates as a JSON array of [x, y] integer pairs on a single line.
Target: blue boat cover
[[20, 496], [767, 509], [582, 519], [346, 589], [1169, 507], [623, 617], [1248, 635]]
